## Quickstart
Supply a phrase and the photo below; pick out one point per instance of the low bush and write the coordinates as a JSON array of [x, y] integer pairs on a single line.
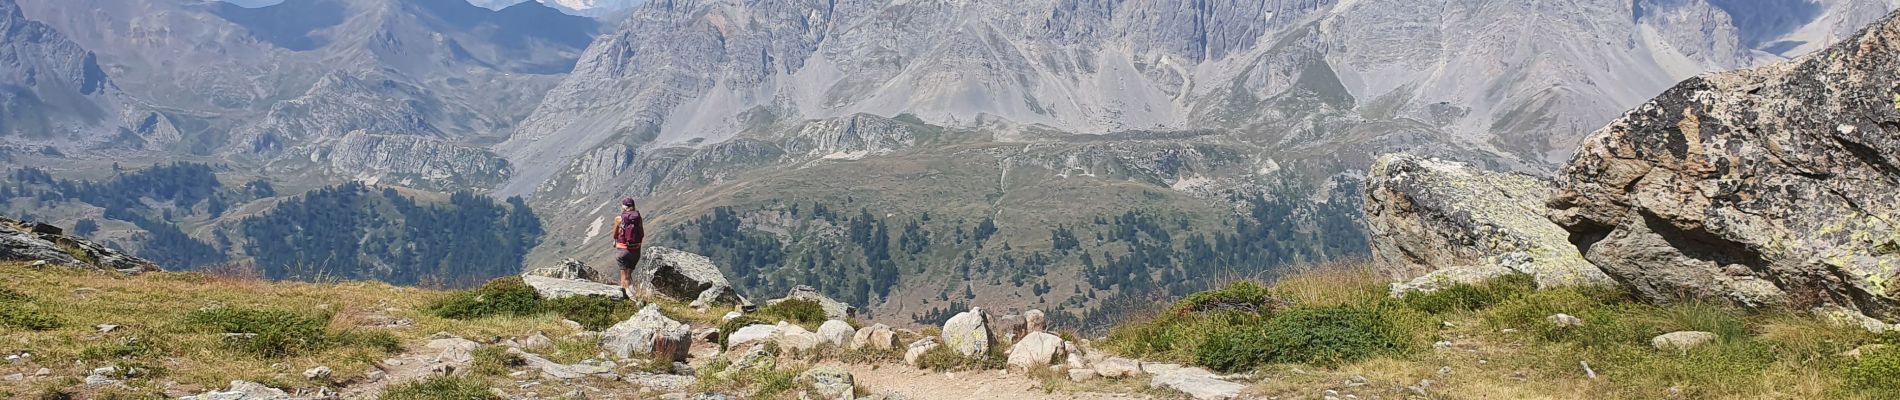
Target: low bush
[[511, 296], [1329, 336], [130, 347], [493, 361], [1877, 373], [802, 312], [21, 315], [440, 388], [264, 333], [1469, 297], [1240, 296]]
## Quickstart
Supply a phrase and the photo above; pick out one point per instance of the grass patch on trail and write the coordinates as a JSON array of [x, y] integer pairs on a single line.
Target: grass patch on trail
[[275, 334], [441, 388], [510, 296], [1339, 320]]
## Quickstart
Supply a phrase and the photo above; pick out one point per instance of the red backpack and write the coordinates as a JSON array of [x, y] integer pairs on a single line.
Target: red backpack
[[632, 231]]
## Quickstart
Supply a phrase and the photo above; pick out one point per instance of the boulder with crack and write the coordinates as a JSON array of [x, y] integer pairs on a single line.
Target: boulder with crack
[[648, 333], [686, 277], [1772, 187], [1423, 215]]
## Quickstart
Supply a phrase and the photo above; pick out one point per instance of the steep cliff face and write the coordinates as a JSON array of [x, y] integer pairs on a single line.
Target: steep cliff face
[[1771, 186], [409, 161]]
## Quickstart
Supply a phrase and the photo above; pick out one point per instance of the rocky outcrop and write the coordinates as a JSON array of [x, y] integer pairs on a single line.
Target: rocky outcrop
[[685, 276], [833, 309], [1777, 186], [648, 333], [566, 269], [874, 337], [409, 160], [968, 333], [1039, 349], [555, 288], [30, 241], [1425, 214]]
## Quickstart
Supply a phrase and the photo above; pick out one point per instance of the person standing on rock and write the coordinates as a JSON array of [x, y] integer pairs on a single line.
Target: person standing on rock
[[629, 233]]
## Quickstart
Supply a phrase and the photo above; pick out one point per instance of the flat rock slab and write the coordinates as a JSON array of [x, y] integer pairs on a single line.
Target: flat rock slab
[[1196, 382], [555, 288]]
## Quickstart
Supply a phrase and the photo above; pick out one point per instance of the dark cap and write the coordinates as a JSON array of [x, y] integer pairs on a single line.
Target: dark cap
[[627, 202]]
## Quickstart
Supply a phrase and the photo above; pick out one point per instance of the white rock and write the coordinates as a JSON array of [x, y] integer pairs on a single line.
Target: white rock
[[749, 335], [876, 337], [555, 288], [794, 337], [1196, 382], [918, 348], [1682, 341], [1081, 375], [1857, 352], [452, 350], [1039, 349], [107, 328], [243, 390], [1564, 320], [1036, 321], [836, 333], [648, 333], [967, 333], [318, 373], [1118, 368]]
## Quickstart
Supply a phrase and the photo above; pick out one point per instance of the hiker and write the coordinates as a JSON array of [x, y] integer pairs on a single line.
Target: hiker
[[629, 233]]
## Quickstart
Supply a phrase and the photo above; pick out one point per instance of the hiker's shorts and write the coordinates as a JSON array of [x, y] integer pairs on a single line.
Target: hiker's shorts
[[628, 259]]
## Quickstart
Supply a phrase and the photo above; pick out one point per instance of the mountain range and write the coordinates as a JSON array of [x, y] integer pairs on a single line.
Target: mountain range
[[1077, 155]]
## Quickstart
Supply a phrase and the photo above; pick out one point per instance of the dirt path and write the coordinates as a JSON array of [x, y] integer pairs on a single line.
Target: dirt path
[[914, 384]]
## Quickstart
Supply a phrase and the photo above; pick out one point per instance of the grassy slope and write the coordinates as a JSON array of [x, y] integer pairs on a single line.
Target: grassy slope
[[1502, 346]]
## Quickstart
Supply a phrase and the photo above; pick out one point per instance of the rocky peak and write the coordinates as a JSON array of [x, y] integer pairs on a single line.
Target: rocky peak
[[1765, 187]]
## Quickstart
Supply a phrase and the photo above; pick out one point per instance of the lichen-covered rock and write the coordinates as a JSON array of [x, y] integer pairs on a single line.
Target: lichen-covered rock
[[686, 277], [1776, 186], [243, 390], [834, 309], [1423, 215], [648, 333], [968, 333], [1682, 341], [831, 383], [1448, 277], [917, 349], [1035, 321]]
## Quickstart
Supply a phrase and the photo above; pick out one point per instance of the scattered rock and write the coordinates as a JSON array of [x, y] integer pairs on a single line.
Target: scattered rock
[[661, 382], [757, 358], [555, 288], [836, 333], [1426, 214], [1356, 381], [833, 309], [706, 335], [877, 337], [648, 333], [1036, 321], [1008, 328], [106, 328], [537, 341], [242, 390], [1564, 321], [794, 337], [569, 269], [1082, 375], [319, 373], [1682, 341], [750, 335], [829, 382], [918, 348], [1448, 277], [1442, 344], [1857, 352], [1197, 383], [685, 276], [1039, 349], [452, 350], [1445, 370], [43, 372], [967, 333], [561, 371], [100, 380], [1118, 368], [14, 378]]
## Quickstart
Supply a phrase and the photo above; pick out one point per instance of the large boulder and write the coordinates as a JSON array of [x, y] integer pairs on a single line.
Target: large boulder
[[751, 334], [875, 337], [1039, 349], [1035, 321], [686, 277], [555, 288], [1195, 382], [1423, 215], [794, 337], [836, 333], [833, 309], [968, 333], [648, 333], [1772, 187], [31, 241], [570, 269]]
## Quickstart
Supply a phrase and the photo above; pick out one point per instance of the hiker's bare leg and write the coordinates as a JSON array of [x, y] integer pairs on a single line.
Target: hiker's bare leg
[[626, 280]]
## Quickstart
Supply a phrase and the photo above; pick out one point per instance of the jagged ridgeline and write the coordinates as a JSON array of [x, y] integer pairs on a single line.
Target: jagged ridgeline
[[183, 216]]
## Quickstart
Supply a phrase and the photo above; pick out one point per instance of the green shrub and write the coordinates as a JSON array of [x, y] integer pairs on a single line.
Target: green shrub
[[8, 295], [265, 333], [1877, 373], [1235, 348], [595, 313], [20, 315], [493, 361], [1469, 297], [1240, 296], [130, 347], [440, 388], [802, 312], [380, 340], [502, 296], [1329, 336]]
